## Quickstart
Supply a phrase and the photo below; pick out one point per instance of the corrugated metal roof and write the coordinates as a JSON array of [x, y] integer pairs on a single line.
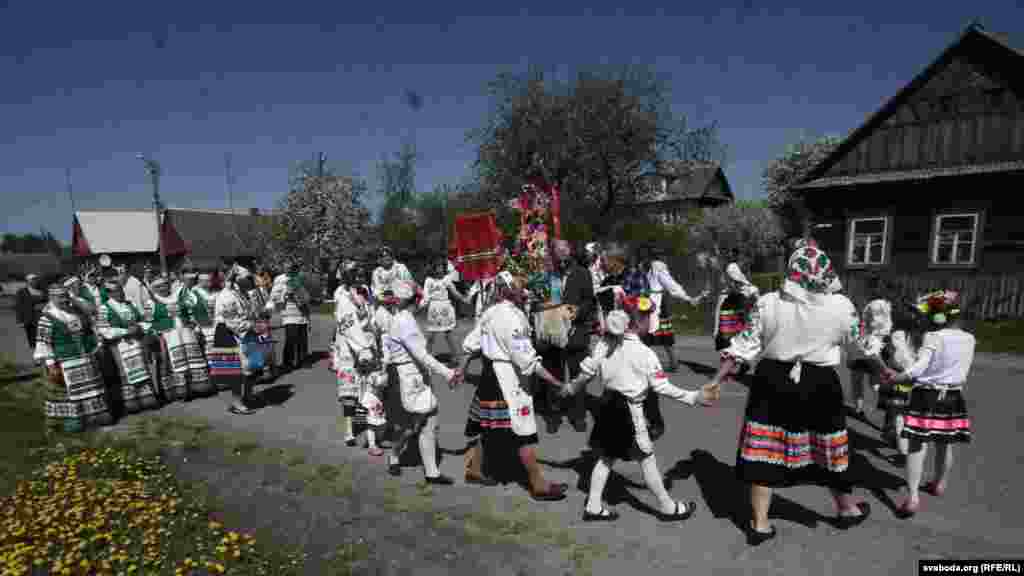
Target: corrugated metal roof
[[119, 231]]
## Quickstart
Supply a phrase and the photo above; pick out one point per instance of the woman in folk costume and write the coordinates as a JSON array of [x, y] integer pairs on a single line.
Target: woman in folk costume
[[229, 357], [937, 412], [123, 329], [388, 390], [291, 299], [630, 371], [203, 296], [659, 281], [411, 365], [388, 274], [76, 397], [505, 421], [353, 357], [795, 420], [200, 383], [440, 311], [81, 297], [259, 296], [661, 333], [183, 371], [738, 297]]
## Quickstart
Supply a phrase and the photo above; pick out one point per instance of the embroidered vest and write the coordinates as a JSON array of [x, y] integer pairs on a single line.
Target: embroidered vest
[[68, 343], [162, 318]]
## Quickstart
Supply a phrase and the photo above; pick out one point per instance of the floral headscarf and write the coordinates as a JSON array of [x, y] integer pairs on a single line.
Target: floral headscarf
[[810, 273], [940, 305]]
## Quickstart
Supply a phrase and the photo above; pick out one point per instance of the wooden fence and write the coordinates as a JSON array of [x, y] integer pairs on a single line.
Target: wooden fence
[[983, 297]]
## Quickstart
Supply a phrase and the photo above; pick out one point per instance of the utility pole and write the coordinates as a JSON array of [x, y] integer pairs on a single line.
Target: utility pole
[[153, 169], [228, 186], [71, 194]]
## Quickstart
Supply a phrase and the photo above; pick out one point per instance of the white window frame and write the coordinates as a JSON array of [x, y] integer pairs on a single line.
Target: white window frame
[[975, 231], [852, 241]]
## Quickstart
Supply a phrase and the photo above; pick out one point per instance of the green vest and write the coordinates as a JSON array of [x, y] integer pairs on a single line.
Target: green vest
[[67, 345], [117, 321], [162, 320]]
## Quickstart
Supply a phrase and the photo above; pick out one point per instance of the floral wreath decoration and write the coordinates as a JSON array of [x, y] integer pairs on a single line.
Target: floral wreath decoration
[[641, 304], [940, 305]]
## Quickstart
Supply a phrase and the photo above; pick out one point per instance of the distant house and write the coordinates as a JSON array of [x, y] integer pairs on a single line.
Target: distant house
[[670, 198], [926, 187], [205, 237]]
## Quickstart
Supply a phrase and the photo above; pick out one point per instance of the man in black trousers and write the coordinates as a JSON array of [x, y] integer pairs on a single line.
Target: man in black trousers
[[578, 291]]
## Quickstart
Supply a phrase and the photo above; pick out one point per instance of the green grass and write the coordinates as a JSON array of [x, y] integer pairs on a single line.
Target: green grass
[[999, 337]]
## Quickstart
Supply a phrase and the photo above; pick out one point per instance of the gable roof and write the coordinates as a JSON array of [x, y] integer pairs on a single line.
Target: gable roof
[[118, 231], [216, 233], [694, 183], [974, 31]]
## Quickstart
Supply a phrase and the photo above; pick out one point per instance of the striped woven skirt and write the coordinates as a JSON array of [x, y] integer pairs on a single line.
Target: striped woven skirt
[[794, 432], [225, 359], [489, 418], [77, 399], [137, 390], [935, 415], [663, 334]]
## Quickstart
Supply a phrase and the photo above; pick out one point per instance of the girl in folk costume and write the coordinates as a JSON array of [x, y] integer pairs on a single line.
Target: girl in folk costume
[[65, 342], [900, 355], [203, 297], [411, 365], [388, 274], [440, 311], [937, 412], [353, 357], [234, 317], [123, 329], [876, 327], [630, 371], [290, 298], [388, 390], [504, 419], [795, 420], [184, 373]]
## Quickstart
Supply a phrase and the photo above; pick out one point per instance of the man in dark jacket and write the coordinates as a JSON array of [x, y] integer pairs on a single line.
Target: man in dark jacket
[[578, 291], [29, 304]]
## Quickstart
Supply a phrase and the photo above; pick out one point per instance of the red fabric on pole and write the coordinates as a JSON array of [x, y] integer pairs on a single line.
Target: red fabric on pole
[[172, 241], [477, 244], [79, 245]]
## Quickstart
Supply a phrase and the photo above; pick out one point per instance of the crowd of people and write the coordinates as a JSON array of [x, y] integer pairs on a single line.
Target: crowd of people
[[117, 346]]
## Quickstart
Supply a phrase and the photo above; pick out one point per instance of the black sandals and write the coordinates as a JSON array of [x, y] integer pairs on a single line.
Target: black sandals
[[679, 515], [847, 522], [439, 480]]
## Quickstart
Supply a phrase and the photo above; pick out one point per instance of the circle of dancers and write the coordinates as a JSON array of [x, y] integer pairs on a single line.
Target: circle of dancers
[[113, 345]]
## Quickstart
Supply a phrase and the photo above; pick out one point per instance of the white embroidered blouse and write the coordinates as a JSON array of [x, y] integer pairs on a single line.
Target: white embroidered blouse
[[945, 358], [633, 370], [406, 344], [789, 329], [503, 335]]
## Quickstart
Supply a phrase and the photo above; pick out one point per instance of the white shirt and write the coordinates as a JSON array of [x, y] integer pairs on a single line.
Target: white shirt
[[944, 359], [484, 291], [406, 344], [288, 302], [903, 353], [233, 310], [436, 290], [660, 280], [135, 292], [350, 325], [633, 370], [783, 328], [386, 279], [503, 335]]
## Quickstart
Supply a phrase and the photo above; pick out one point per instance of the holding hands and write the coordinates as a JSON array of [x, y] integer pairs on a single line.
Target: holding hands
[[710, 393], [458, 377]]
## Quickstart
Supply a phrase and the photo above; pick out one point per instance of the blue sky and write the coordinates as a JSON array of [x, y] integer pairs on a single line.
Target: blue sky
[[87, 85]]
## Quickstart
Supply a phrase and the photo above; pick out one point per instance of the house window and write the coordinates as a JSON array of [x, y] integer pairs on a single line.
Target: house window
[[867, 241], [955, 239]]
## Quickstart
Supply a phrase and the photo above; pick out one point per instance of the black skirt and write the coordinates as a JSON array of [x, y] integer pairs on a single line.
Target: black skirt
[[794, 432], [614, 433], [665, 334], [494, 424], [932, 416]]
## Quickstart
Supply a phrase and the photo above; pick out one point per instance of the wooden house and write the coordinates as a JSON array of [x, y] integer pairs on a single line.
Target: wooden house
[[923, 191], [669, 199]]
